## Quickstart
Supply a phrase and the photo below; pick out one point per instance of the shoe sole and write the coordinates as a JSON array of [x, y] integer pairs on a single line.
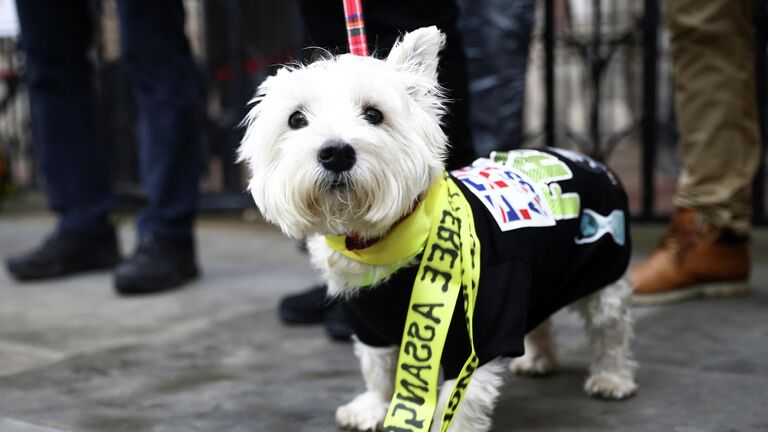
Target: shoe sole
[[31, 275], [709, 290], [133, 288], [290, 317]]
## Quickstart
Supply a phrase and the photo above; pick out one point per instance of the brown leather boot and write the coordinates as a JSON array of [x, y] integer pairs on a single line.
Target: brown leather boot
[[692, 260]]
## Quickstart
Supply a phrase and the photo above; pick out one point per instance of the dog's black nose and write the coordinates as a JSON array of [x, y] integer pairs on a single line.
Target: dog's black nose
[[336, 156]]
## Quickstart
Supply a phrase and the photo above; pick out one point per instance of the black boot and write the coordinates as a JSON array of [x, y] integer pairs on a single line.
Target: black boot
[[314, 307], [158, 265], [336, 323], [307, 307], [66, 253]]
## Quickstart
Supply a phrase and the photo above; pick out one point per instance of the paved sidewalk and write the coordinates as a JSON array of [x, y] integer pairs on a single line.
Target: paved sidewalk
[[214, 358]]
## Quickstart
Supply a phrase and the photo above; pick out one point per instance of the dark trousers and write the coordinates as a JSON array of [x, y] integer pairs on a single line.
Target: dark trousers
[[56, 37], [385, 21], [498, 60]]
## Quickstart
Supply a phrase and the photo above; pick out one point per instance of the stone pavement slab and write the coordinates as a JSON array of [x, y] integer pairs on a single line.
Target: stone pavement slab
[[9, 425], [214, 357]]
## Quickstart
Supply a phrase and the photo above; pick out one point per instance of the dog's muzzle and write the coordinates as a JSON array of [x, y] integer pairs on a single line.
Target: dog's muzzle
[[336, 156]]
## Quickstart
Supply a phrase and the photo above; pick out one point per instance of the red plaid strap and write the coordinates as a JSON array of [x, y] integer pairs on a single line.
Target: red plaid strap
[[353, 11]]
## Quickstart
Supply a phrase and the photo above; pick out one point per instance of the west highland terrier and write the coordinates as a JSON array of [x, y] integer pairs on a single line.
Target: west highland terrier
[[456, 272]]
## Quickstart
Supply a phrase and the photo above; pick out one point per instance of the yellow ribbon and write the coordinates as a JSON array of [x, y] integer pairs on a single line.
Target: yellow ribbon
[[442, 227]]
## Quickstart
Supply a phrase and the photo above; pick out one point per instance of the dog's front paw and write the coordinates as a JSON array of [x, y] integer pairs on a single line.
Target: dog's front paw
[[532, 365], [366, 412], [606, 385]]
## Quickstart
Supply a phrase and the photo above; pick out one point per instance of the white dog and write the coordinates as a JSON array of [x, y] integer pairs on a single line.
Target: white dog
[[347, 150]]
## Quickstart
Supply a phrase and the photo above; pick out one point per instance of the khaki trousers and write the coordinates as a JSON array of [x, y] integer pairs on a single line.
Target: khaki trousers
[[714, 72]]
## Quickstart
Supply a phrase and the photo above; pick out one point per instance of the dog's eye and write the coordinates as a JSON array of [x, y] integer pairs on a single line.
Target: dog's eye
[[297, 120], [373, 116]]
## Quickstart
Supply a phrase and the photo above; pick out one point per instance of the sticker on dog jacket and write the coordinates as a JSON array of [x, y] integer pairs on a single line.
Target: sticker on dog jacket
[[586, 162], [520, 188], [595, 225]]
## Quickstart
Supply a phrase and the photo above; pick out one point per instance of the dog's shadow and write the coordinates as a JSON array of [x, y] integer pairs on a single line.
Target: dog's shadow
[[552, 403]]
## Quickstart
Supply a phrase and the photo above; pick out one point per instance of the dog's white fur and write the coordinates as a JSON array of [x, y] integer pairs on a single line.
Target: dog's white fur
[[396, 162]]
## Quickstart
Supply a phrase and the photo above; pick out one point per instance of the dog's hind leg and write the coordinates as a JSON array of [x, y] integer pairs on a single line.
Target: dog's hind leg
[[474, 413], [608, 323], [366, 412], [539, 358]]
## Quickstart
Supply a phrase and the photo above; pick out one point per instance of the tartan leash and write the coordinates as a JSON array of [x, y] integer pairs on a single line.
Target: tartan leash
[[353, 12]]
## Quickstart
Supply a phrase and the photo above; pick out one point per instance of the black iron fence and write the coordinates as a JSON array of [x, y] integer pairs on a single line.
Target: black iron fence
[[626, 41], [16, 167], [606, 90]]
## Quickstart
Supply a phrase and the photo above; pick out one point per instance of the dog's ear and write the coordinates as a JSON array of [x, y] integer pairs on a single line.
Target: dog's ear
[[245, 152], [264, 87], [261, 92], [418, 52]]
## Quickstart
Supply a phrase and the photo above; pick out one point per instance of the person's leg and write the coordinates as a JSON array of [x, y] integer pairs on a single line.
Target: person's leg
[[713, 53], [705, 251], [159, 63], [498, 34], [163, 75], [56, 36]]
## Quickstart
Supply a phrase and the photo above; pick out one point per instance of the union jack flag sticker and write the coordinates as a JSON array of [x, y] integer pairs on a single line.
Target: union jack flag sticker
[[514, 200]]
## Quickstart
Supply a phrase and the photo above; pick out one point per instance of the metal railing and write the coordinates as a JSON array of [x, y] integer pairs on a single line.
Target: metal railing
[[594, 52], [654, 133]]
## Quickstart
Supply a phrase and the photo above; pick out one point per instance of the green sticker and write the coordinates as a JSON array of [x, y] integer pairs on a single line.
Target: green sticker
[[546, 170]]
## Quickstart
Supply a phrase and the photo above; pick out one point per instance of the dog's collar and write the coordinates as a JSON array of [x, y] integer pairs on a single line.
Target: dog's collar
[[355, 242], [405, 240]]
